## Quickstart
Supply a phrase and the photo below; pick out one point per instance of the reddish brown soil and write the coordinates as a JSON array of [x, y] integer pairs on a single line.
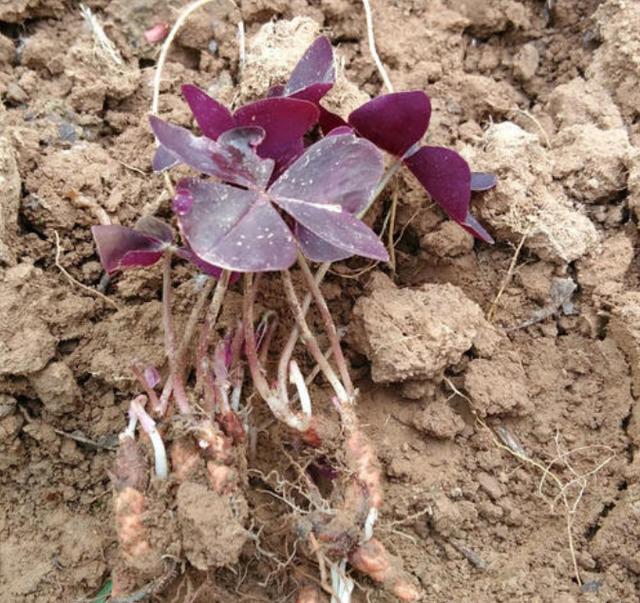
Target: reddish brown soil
[[454, 384]]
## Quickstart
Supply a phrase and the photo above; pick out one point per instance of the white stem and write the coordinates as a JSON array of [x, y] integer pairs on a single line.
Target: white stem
[[242, 52], [296, 378], [372, 47], [149, 427]]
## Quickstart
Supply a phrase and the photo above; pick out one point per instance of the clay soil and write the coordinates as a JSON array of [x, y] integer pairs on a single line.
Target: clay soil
[[499, 383]]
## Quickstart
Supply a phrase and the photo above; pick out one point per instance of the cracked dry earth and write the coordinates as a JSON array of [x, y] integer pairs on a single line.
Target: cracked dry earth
[[507, 424]]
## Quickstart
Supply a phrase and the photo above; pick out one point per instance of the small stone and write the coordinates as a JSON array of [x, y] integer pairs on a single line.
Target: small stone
[[56, 387], [440, 421], [525, 63], [497, 387], [490, 485]]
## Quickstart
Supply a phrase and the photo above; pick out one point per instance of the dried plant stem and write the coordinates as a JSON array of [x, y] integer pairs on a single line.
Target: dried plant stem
[[202, 368], [372, 47], [177, 382], [491, 314], [329, 324], [310, 340]]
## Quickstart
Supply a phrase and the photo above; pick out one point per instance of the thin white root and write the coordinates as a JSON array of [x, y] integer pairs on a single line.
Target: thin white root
[[296, 378], [103, 43], [149, 427], [372, 47]]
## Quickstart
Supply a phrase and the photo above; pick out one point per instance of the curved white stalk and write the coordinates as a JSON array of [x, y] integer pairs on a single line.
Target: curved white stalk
[[149, 427], [296, 378]]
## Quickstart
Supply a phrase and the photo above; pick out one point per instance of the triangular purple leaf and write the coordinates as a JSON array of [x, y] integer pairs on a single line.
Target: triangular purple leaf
[[336, 227], [163, 159], [339, 170], [219, 159], [316, 249], [120, 247], [314, 75], [212, 117], [446, 177], [329, 120], [234, 228], [154, 227], [285, 122], [481, 181], [476, 229], [393, 122]]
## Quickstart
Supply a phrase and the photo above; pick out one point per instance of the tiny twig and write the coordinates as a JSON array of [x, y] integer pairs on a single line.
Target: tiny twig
[[491, 314]]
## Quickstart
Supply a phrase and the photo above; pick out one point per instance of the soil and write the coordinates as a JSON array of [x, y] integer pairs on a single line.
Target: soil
[[505, 414]]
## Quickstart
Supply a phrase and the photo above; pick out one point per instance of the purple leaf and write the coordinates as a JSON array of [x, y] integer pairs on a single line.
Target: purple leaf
[[330, 121], [212, 117], [314, 75], [153, 227], [285, 121], [339, 170], [316, 249], [393, 122], [481, 181], [163, 159], [340, 130], [120, 247], [236, 229], [335, 226], [476, 229], [446, 177], [231, 158], [324, 205]]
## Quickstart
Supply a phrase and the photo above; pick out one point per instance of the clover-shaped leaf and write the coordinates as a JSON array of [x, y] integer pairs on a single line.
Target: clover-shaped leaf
[[231, 158], [242, 230], [284, 120]]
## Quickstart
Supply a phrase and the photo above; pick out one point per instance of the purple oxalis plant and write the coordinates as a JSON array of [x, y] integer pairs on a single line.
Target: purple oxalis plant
[[272, 197]]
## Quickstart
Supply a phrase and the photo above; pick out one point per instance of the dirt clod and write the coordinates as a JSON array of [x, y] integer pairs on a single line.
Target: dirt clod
[[415, 334], [205, 518]]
